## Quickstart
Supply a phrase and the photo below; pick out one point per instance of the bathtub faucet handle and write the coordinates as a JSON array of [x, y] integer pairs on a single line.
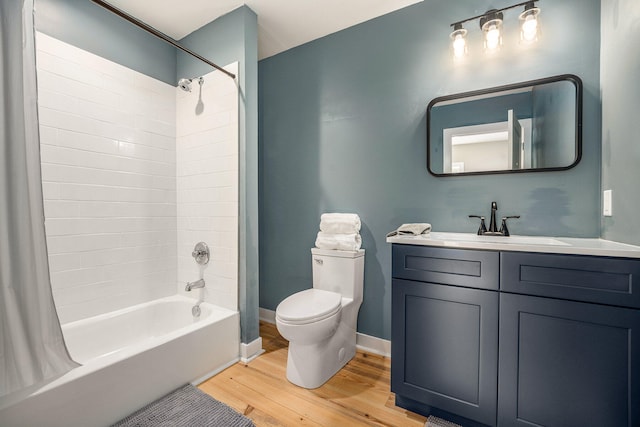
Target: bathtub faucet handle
[[197, 254], [201, 253], [194, 285]]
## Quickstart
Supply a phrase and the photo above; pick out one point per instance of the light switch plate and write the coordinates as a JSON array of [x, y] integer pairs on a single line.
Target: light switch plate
[[607, 206]]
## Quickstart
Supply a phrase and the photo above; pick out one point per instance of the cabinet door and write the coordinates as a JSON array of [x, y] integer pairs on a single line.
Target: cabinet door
[[565, 363], [445, 348]]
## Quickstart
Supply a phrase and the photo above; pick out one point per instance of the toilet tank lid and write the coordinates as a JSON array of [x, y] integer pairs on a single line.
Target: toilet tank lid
[[336, 253], [309, 304]]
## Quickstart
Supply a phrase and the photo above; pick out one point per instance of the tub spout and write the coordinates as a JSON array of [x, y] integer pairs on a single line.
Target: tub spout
[[194, 285]]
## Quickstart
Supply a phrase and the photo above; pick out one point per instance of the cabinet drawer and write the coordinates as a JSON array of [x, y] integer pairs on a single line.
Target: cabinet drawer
[[473, 269], [576, 277]]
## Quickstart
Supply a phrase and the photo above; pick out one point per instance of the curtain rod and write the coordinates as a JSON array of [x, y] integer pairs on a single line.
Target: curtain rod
[[159, 34]]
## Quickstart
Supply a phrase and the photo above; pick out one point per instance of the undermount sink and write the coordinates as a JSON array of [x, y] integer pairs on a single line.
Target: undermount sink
[[513, 240]]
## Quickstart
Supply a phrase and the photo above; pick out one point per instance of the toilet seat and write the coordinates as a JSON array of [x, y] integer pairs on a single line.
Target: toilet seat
[[308, 306]]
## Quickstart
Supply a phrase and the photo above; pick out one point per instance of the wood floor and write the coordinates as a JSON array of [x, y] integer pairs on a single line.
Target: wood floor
[[358, 395]]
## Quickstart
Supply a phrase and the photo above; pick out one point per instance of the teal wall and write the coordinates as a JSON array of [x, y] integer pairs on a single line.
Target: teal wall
[[87, 26], [620, 105], [234, 37], [343, 128]]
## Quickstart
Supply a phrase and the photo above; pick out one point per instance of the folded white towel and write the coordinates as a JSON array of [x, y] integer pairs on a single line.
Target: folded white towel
[[340, 223], [411, 229], [341, 242]]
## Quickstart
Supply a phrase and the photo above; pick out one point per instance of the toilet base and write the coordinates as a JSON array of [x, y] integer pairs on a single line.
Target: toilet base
[[311, 365]]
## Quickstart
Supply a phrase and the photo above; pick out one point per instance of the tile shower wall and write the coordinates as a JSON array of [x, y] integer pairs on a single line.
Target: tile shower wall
[[207, 184], [109, 178]]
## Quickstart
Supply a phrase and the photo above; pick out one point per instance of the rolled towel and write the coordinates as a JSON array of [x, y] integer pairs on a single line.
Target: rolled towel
[[341, 242], [340, 223], [414, 229]]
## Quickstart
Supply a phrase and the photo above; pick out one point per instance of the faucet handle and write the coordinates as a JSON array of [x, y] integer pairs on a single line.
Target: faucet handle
[[503, 228], [483, 227]]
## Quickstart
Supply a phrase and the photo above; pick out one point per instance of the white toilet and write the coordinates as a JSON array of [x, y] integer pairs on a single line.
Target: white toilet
[[320, 323]]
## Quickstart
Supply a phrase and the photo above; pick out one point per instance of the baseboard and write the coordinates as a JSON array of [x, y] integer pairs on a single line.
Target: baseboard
[[373, 345], [250, 351], [364, 342], [268, 316]]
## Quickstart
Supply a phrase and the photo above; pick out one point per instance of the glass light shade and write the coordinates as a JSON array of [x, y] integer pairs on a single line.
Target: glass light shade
[[459, 41], [492, 34], [529, 24]]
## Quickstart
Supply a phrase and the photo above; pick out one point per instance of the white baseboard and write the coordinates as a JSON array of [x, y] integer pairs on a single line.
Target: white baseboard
[[373, 345], [268, 316], [364, 342], [250, 351]]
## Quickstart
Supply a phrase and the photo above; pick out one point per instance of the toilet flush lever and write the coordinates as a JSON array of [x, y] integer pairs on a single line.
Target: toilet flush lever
[[318, 261]]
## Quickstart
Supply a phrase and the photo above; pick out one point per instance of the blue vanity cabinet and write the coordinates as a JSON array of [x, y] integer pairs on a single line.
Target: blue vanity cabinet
[[515, 338], [444, 351], [569, 340]]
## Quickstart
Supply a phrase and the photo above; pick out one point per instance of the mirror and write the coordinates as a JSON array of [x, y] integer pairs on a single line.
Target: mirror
[[525, 127]]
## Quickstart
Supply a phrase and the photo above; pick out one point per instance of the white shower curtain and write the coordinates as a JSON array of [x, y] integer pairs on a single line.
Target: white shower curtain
[[32, 347]]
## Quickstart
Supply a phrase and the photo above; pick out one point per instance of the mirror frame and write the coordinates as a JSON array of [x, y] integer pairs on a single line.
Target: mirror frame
[[578, 124]]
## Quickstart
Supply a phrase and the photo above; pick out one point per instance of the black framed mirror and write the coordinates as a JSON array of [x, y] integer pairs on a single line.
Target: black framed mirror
[[533, 126]]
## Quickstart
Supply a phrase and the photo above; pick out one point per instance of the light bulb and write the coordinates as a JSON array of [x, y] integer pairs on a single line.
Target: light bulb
[[459, 46], [492, 38], [530, 28], [529, 25], [459, 43]]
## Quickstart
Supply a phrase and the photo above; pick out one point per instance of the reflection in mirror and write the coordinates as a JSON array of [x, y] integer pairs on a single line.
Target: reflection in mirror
[[532, 126]]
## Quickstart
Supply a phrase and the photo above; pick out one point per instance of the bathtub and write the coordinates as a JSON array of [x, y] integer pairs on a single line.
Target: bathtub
[[129, 358]]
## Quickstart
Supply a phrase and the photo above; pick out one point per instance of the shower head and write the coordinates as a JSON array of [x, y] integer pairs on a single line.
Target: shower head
[[185, 84]]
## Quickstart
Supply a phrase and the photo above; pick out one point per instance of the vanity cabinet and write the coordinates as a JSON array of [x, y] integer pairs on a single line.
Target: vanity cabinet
[[516, 338]]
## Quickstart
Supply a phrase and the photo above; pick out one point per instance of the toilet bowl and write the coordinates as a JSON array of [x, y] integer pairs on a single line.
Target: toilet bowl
[[320, 323]]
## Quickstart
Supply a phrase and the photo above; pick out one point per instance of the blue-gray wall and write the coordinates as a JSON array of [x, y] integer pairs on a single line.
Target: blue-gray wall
[[620, 106], [343, 128], [87, 26], [234, 37]]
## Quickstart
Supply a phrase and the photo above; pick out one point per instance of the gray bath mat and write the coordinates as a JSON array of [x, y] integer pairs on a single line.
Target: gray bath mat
[[439, 422], [186, 407]]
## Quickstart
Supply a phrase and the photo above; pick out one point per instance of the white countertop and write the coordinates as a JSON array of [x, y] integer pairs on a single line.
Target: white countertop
[[558, 245]]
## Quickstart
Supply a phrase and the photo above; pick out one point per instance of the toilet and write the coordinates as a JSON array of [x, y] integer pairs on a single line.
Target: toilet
[[320, 323]]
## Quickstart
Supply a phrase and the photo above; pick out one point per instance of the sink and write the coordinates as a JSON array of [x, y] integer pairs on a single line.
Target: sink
[[511, 240]]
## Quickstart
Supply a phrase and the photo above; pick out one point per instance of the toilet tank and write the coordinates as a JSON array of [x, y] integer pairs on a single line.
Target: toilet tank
[[339, 271]]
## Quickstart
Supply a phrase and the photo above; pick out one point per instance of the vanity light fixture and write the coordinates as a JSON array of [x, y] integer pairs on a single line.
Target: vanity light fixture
[[491, 25], [459, 43], [529, 23]]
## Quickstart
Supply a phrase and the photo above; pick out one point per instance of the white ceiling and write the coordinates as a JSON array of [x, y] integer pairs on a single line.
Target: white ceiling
[[282, 24]]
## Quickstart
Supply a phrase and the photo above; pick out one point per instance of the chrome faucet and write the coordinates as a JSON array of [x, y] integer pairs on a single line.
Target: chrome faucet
[[493, 229], [194, 285]]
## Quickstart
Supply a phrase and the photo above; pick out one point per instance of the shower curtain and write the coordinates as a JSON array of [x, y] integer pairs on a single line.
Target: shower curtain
[[32, 347]]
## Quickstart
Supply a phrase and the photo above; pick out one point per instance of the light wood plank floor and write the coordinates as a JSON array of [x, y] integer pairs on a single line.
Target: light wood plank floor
[[358, 395]]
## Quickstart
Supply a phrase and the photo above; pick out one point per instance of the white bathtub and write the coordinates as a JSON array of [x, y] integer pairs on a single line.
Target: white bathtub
[[129, 358]]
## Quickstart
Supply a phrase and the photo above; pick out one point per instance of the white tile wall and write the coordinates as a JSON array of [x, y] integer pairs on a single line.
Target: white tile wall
[[135, 172], [109, 176], [207, 186]]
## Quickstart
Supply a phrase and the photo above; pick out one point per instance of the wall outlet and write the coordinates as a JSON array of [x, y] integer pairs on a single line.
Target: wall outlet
[[607, 205]]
